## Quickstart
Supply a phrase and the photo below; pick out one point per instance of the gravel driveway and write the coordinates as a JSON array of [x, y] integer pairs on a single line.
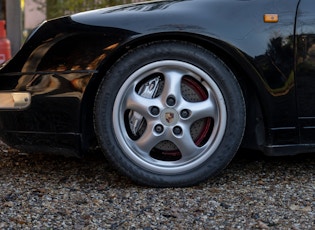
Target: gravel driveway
[[254, 192]]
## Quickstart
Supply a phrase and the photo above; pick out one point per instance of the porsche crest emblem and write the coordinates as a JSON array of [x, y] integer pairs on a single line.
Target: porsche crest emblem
[[169, 117]]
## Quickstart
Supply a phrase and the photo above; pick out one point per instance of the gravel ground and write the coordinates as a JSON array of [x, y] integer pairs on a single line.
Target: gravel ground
[[53, 192]]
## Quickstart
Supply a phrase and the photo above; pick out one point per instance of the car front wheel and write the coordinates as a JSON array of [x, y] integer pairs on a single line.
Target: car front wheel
[[169, 114]]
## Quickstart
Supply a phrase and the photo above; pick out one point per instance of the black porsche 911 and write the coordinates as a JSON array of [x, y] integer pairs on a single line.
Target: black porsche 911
[[169, 90]]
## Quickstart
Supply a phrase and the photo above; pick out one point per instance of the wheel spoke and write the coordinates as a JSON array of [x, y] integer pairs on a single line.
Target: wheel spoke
[[172, 84], [140, 104], [147, 141], [186, 146], [202, 109]]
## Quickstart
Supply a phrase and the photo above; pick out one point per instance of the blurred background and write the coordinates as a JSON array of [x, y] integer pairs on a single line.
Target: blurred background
[[20, 17]]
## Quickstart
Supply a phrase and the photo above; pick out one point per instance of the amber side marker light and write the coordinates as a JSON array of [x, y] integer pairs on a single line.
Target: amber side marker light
[[271, 18]]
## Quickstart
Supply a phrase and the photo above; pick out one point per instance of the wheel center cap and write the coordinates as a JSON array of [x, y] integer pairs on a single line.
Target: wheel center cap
[[169, 117]]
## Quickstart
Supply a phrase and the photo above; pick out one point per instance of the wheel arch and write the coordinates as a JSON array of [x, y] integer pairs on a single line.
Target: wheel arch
[[236, 60]]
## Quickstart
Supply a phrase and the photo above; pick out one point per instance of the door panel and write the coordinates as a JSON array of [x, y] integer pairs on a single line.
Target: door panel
[[305, 70]]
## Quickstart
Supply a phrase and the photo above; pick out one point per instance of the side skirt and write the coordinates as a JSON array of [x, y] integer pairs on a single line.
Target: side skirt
[[287, 150]]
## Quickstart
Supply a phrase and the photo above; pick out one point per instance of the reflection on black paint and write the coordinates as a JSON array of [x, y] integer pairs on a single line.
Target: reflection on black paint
[[277, 65], [305, 70], [145, 7]]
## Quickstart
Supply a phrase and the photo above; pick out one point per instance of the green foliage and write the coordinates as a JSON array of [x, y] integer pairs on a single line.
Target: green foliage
[[57, 8]]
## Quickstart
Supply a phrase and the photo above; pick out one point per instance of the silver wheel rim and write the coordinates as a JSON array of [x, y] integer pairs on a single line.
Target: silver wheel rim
[[182, 124]]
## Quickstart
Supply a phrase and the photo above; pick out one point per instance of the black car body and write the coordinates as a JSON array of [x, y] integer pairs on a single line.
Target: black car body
[[269, 46]]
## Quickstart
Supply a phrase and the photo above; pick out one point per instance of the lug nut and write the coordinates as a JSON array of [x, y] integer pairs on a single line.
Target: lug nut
[[155, 111], [170, 101], [177, 130], [184, 113], [158, 128]]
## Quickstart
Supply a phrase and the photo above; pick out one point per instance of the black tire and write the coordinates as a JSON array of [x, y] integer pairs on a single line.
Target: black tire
[[169, 114]]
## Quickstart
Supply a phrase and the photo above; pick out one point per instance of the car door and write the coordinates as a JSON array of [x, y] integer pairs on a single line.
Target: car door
[[305, 70]]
